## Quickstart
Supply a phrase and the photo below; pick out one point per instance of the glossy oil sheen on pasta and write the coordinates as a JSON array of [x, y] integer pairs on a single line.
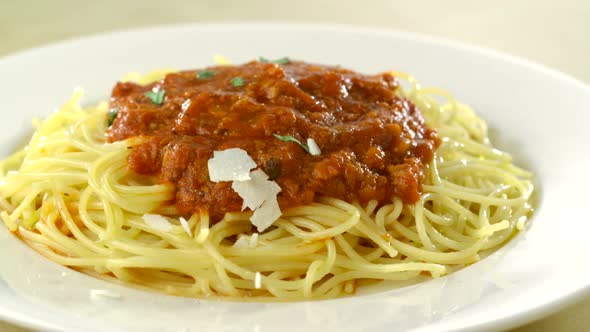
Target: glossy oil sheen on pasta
[[72, 196]]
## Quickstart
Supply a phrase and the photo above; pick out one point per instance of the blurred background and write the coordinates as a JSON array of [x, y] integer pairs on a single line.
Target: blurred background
[[553, 33]]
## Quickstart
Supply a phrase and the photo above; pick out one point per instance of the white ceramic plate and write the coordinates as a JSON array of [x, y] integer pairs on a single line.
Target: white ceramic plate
[[539, 115]]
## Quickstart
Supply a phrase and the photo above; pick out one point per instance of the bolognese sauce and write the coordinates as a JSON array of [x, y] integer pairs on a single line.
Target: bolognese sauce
[[374, 145]]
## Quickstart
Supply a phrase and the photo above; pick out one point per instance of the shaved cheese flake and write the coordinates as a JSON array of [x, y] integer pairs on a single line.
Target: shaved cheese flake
[[186, 226], [245, 241], [314, 149], [157, 222], [266, 214], [242, 242], [257, 280], [230, 165], [256, 190], [258, 193]]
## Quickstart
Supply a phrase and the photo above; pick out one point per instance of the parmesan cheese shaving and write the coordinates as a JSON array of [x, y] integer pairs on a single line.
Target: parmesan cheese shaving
[[157, 222], [242, 242], [257, 280], [255, 191], [186, 226], [266, 214], [230, 165], [258, 193], [245, 241], [313, 147]]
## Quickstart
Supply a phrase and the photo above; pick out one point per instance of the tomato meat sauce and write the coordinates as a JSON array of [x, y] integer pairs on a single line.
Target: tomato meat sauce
[[374, 144]]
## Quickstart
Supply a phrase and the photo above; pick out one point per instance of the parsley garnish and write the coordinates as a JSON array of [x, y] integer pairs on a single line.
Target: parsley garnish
[[280, 61], [112, 115], [156, 97], [237, 81], [289, 138], [205, 74]]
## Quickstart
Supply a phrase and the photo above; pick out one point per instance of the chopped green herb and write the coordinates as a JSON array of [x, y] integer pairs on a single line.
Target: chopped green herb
[[112, 115], [205, 74], [156, 97], [237, 81], [289, 138], [281, 61], [273, 168]]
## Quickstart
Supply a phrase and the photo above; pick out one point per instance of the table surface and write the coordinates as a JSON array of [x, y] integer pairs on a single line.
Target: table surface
[[548, 32]]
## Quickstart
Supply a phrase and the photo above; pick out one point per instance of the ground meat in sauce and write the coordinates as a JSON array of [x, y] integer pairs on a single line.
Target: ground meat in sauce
[[374, 144]]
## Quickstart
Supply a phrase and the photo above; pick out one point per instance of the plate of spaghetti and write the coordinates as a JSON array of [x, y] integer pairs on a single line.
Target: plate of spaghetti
[[262, 177]]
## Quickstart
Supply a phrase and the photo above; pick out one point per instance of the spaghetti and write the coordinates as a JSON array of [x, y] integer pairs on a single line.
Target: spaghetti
[[70, 196]]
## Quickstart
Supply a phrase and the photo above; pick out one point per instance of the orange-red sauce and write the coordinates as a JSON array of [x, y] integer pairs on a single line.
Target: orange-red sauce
[[373, 144]]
